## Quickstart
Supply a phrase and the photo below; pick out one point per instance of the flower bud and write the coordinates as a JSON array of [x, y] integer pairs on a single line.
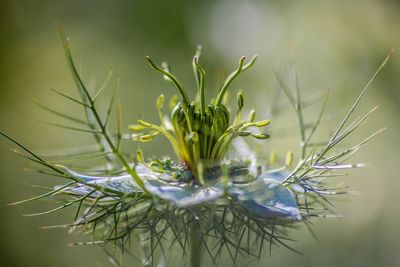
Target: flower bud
[[262, 123], [252, 115], [144, 123], [137, 127], [260, 136], [160, 101], [244, 133], [139, 156], [240, 99], [289, 158]]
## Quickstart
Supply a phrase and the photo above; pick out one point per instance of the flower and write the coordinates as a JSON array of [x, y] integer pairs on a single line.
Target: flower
[[204, 201]]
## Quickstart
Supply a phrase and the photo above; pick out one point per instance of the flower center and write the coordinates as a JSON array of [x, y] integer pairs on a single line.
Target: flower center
[[200, 135]]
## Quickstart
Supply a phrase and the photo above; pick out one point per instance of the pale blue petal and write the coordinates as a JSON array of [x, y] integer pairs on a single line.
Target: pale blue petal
[[267, 199], [279, 176], [122, 183], [276, 175], [184, 195], [262, 196]]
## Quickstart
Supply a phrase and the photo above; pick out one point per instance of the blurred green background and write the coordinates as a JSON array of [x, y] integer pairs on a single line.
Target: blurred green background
[[334, 44]]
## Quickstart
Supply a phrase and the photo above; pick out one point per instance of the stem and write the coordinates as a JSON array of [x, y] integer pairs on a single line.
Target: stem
[[299, 111], [185, 98], [103, 131], [232, 76], [196, 248], [200, 74]]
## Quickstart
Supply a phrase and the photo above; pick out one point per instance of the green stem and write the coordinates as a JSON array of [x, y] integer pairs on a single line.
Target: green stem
[[196, 248], [90, 105], [185, 98]]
